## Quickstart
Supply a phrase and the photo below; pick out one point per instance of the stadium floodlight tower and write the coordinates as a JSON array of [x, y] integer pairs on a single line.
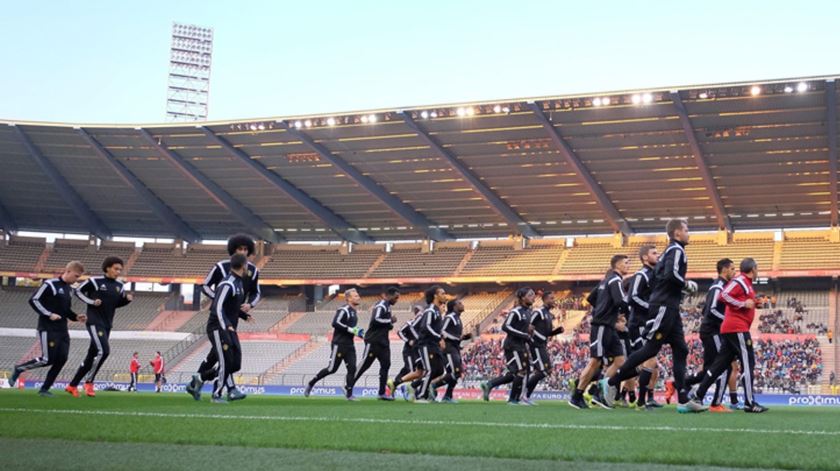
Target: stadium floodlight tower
[[188, 91]]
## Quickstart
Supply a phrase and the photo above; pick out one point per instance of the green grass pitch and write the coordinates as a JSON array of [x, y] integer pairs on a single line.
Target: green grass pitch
[[171, 431]]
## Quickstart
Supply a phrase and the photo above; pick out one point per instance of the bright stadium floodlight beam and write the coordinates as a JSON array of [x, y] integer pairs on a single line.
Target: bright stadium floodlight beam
[[802, 87], [330, 121], [308, 123], [636, 99], [703, 95], [424, 114], [788, 89], [470, 111], [461, 112], [596, 102], [298, 124], [364, 118], [605, 101], [433, 114], [497, 109], [755, 90], [647, 98], [372, 118]]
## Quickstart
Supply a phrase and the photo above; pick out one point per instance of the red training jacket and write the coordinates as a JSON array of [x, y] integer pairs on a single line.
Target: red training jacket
[[135, 365], [737, 317], [157, 365]]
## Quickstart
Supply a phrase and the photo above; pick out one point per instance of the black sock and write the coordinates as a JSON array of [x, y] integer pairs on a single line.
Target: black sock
[[632, 396], [650, 394], [578, 394], [644, 381], [733, 397]]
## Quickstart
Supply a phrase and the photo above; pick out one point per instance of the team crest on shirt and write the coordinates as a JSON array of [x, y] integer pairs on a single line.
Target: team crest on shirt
[[749, 341], [338, 355], [103, 288], [101, 333], [370, 355], [224, 347], [250, 273], [61, 290], [659, 336], [52, 344]]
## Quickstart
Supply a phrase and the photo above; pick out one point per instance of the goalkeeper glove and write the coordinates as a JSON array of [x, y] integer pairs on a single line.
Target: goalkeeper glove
[[357, 331]]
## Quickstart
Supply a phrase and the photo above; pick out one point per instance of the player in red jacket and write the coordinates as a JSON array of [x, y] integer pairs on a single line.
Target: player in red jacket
[[157, 367], [739, 297], [134, 368]]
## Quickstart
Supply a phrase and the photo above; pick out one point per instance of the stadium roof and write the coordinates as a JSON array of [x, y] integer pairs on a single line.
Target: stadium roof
[[751, 155]]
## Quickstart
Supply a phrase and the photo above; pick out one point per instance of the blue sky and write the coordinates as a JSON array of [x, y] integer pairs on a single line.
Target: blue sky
[[107, 62]]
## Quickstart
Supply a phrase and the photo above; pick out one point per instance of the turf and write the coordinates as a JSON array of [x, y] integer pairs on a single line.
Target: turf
[[144, 430]]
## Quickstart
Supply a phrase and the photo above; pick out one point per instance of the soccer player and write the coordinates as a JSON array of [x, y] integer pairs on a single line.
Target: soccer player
[[377, 344], [221, 330], [637, 303], [344, 330], [543, 326], [605, 347], [518, 328], [739, 297], [52, 302], [429, 343], [236, 244], [666, 325], [103, 296], [157, 367], [453, 334], [412, 367], [713, 315], [133, 368]]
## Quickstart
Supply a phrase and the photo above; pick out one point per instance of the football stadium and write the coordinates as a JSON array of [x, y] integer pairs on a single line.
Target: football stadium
[[644, 278]]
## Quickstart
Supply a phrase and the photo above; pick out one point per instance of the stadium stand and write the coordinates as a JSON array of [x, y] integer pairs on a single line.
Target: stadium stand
[[297, 261], [21, 253], [409, 258], [490, 258]]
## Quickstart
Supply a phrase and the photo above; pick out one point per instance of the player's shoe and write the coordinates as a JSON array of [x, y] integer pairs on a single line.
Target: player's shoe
[[307, 391], [448, 400], [236, 395], [485, 391], [578, 402], [513, 403], [408, 392], [384, 397], [351, 398], [654, 404], [391, 388], [73, 390], [691, 407], [89, 390], [421, 401], [720, 409], [527, 402], [194, 388], [218, 400], [45, 393], [13, 379], [737, 406], [755, 408], [608, 392]]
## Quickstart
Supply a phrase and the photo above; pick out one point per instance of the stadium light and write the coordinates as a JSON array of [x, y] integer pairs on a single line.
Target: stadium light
[[497, 109], [308, 123], [647, 98], [461, 112], [331, 121], [605, 101], [433, 114], [755, 90], [703, 95], [298, 124], [364, 119], [424, 114], [372, 118], [636, 99], [802, 87], [596, 102]]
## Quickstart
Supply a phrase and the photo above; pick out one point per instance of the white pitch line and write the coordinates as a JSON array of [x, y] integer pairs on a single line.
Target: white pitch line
[[363, 420]]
